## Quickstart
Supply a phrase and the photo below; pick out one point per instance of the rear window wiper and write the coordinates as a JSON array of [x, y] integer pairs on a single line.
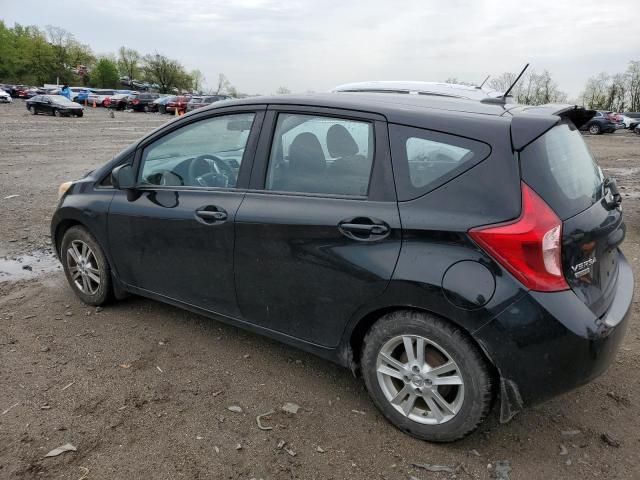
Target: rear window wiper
[[613, 199]]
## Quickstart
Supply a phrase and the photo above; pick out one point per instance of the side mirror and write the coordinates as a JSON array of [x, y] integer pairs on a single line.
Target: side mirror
[[123, 177]]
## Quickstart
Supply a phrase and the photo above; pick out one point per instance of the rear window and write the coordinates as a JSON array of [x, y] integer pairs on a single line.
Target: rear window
[[424, 160], [561, 169]]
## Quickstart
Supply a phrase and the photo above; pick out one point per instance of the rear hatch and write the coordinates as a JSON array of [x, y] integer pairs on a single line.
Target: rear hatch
[[559, 167]]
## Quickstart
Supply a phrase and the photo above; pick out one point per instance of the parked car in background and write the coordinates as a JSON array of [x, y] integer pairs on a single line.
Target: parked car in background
[[203, 101], [117, 101], [5, 97], [633, 119], [282, 215], [601, 122], [140, 102], [80, 95], [195, 102], [179, 103], [18, 91], [99, 96], [160, 104], [32, 92], [56, 105]]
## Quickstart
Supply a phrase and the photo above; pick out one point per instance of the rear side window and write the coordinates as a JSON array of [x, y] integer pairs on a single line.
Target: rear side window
[[561, 169], [423, 159]]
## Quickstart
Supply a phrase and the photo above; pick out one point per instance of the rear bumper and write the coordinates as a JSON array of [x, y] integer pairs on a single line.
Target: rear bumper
[[549, 343]]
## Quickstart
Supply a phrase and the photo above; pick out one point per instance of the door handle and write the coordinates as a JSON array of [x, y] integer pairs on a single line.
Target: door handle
[[210, 215], [364, 229]]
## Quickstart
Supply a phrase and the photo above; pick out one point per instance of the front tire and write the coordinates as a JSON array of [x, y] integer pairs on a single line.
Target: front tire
[[79, 114], [426, 376], [594, 129], [56, 113], [86, 266]]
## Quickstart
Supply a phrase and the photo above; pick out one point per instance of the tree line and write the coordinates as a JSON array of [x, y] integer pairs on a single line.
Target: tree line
[[35, 56]]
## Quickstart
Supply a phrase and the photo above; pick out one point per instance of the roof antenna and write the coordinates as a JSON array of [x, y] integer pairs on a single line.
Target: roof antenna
[[484, 81], [504, 95], [503, 98]]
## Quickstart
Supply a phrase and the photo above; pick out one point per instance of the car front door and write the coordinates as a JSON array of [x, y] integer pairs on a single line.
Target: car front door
[[46, 105], [173, 235], [318, 233]]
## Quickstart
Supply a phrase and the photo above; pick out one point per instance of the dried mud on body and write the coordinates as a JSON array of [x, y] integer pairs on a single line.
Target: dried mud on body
[[144, 390]]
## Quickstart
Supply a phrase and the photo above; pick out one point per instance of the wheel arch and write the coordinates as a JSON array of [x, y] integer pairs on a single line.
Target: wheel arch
[[355, 338], [61, 229]]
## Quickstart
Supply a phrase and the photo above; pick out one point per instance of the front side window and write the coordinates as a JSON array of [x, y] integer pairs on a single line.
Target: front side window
[[317, 154], [207, 153], [425, 160]]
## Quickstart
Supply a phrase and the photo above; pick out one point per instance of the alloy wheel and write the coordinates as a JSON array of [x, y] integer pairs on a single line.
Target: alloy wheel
[[420, 379], [594, 129], [83, 267]]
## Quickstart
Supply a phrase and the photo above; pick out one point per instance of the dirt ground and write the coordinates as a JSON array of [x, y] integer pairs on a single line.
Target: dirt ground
[[142, 389]]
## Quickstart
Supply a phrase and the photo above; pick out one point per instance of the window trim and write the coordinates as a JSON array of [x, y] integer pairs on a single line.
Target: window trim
[[248, 156], [259, 176]]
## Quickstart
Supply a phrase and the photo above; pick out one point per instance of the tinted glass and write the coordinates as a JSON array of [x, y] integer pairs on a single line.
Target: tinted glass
[[425, 160], [60, 99], [207, 153], [315, 154], [561, 169]]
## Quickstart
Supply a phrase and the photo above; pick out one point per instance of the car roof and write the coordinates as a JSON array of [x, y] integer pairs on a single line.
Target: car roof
[[383, 103], [455, 90]]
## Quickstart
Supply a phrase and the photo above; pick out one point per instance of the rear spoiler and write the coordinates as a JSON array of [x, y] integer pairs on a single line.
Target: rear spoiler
[[529, 123]]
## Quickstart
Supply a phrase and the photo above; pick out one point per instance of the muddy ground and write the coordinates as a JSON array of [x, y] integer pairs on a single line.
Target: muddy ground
[[141, 389]]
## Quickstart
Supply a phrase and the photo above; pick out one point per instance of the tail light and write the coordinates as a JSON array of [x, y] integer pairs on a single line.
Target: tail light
[[529, 247], [135, 101]]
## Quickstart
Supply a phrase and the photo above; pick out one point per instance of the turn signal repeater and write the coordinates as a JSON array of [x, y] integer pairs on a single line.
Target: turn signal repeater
[[529, 247]]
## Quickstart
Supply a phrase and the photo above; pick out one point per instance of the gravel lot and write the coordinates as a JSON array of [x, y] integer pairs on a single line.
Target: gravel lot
[[142, 389]]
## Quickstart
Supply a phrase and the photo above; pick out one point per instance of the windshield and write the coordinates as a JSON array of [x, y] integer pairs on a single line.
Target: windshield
[[60, 99]]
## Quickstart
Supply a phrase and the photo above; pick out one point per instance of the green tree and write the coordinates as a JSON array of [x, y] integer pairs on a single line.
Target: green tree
[[104, 74], [167, 73], [197, 79], [129, 62]]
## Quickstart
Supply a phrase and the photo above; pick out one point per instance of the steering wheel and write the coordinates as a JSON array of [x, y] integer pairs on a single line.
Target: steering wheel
[[210, 171]]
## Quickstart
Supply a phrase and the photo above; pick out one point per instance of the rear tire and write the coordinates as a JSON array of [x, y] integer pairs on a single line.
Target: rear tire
[[86, 266], [594, 129], [56, 113], [442, 406]]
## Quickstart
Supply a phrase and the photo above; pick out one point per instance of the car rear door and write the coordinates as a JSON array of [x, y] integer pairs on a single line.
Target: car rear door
[[318, 233], [173, 235], [562, 171]]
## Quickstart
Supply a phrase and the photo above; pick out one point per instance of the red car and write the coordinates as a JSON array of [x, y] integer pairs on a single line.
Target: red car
[[180, 103]]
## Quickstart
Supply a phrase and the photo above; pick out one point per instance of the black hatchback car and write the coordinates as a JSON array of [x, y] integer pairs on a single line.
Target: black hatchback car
[[56, 105], [452, 250]]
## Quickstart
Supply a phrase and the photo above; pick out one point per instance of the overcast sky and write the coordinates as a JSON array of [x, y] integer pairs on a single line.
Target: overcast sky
[[315, 45]]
